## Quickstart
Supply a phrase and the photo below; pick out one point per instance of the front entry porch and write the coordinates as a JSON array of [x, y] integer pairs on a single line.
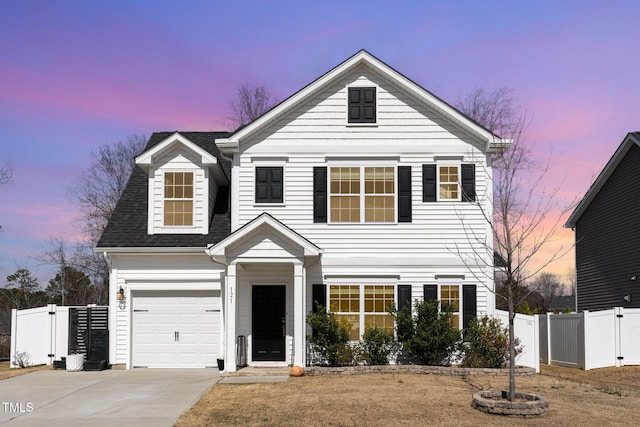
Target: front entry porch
[[265, 293]]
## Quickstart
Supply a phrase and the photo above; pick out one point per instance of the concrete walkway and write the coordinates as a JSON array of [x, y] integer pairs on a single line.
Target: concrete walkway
[[139, 397]]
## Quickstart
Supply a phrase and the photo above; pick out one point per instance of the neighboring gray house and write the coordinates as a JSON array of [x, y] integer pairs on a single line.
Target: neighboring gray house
[[354, 192], [607, 233], [561, 303]]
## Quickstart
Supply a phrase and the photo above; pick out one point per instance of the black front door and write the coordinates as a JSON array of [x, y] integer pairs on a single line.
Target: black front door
[[269, 327]]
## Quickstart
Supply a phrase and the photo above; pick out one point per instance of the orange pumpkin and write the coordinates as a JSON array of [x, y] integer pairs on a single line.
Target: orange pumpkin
[[296, 371]]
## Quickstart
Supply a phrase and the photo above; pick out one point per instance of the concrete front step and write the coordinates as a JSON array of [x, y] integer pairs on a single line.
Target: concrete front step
[[252, 371]]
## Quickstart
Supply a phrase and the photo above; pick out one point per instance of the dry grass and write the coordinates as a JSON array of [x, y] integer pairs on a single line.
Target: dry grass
[[7, 372], [599, 397]]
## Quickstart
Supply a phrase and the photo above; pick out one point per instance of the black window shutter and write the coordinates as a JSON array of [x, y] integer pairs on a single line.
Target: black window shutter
[[428, 183], [362, 105], [404, 296], [430, 293], [318, 297], [269, 185], [320, 194], [469, 304], [369, 105], [404, 193], [469, 182]]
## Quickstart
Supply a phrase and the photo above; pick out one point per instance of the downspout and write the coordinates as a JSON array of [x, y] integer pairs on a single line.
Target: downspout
[[106, 259]]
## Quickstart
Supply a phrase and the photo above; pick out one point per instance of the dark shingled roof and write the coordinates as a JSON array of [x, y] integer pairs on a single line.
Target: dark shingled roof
[[127, 226]]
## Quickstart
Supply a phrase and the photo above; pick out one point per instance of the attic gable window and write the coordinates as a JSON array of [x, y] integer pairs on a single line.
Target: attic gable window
[[178, 199], [362, 105]]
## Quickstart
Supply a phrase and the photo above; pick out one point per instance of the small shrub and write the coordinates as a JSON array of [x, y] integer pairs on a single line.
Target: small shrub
[[22, 359], [428, 335], [375, 347], [486, 344], [330, 338]]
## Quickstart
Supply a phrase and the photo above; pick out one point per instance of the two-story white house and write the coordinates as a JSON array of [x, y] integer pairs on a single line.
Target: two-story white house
[[360, 190]]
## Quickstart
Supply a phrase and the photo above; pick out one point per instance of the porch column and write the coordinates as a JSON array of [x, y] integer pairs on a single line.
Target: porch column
[[230, 321], [299, 315]]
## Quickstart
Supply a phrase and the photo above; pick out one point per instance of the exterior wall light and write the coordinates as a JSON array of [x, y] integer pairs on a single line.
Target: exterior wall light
[[120, 294]]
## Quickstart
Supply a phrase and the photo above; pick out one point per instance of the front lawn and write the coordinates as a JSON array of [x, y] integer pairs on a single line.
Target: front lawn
[[590, 398]]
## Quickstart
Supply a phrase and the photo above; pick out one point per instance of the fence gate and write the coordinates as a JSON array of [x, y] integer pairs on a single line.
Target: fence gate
[[89, 335]]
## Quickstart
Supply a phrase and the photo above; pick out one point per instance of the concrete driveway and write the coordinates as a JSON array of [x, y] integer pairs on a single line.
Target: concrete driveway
[[139, 397]]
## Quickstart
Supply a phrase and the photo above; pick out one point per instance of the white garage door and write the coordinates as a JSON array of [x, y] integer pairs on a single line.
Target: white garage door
[[176, 330]]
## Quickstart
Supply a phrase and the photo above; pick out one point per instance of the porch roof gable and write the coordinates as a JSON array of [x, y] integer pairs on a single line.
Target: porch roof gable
[[218, 250]]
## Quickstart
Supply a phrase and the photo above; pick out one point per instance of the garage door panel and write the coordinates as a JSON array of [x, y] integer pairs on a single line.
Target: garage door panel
[[176, 329]]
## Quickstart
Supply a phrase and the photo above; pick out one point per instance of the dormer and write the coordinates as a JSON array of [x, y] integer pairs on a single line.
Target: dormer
[[183, 181]]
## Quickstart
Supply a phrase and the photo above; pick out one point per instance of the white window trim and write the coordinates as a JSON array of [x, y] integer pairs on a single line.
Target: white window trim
[[362, 284], [452, 282], [362, 194], [179, 228], [448, 164]]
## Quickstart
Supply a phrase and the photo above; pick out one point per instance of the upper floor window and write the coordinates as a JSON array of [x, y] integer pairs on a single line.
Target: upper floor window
[[362, 194], [269, 184], [178, 198], [362, 105], [448, 182], [448, 178]]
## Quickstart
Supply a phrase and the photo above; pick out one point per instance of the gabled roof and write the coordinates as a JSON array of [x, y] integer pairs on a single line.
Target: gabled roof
[[127, 227], [218, 250], [492, 141], [629, 140]]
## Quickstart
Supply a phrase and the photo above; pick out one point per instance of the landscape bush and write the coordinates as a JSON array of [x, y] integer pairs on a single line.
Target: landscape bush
[[330, 338], [486, 344], [427, 335], [375, 347]]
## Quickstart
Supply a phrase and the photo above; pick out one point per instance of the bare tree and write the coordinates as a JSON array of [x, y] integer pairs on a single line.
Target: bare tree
[[520, 222], [6, 175], [572, 281], [96, 194], [100, 186], [251, 102], [547, 286]]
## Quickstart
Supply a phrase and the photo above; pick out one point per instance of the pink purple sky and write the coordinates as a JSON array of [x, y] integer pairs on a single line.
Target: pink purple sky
[[76, 75]]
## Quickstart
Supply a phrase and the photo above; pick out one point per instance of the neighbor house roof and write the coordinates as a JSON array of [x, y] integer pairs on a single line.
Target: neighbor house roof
[[561, 302], [127, 227], [629, 140]]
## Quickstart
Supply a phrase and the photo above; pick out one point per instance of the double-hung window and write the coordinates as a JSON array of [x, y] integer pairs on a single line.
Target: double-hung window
[[448, 182], [362, 306], [362, 194], [450, 298], [178, 198]]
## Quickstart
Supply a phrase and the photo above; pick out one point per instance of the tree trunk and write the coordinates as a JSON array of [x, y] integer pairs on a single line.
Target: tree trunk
[[512, 350]]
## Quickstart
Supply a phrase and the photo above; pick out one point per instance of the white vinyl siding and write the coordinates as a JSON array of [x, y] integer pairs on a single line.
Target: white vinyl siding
[[406, 134], [180, 160], [152, 273]]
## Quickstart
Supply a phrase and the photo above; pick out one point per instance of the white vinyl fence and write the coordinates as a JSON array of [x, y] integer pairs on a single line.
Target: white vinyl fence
[[40, 334], [526, 330], [590, 340]]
